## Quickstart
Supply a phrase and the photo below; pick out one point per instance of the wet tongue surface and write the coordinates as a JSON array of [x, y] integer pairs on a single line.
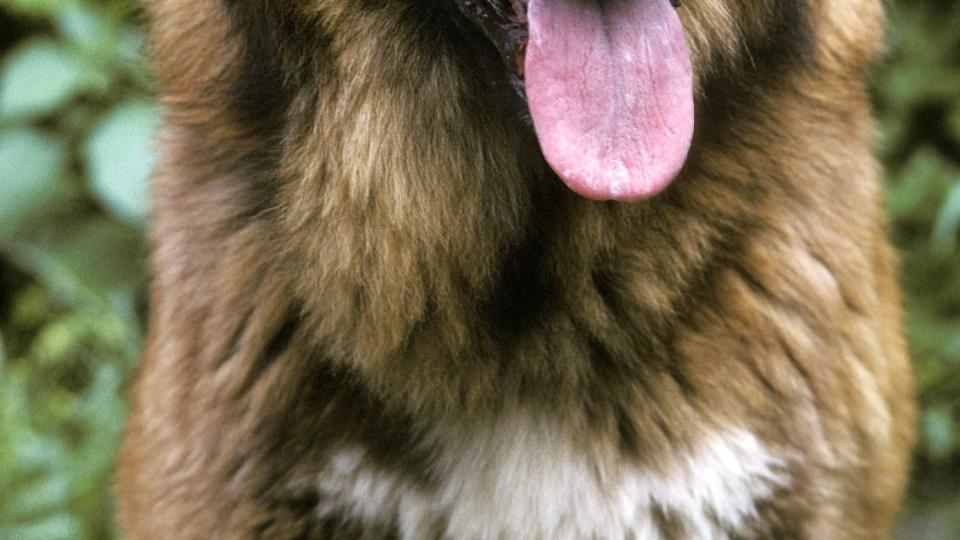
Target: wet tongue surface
[[610, 90]]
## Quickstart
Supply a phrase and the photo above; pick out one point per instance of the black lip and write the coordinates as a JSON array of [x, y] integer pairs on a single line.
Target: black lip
[[504, 23]]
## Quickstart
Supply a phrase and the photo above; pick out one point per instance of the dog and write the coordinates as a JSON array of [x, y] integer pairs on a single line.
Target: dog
[[517, 269]]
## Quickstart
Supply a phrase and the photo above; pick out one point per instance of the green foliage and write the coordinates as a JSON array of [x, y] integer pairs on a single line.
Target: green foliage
[[918, 96], [76, 131], [76, 127], [40, 78], [37, 161], [120, 155]]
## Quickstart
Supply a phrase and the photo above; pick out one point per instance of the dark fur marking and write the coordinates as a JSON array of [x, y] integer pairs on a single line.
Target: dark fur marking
[[667, 523], [320, 409], [523, 295], [791, 38], [236, 338], [605, 282], [273, 349], [773, 520], [787, 47], [281, 55], [608, 376], [629, 439], [262, 95]]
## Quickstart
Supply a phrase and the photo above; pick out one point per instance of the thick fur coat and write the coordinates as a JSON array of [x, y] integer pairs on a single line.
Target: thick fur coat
[[377, 313]]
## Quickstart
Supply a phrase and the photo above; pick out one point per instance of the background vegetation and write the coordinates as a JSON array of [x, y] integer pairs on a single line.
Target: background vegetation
[[76, 120]]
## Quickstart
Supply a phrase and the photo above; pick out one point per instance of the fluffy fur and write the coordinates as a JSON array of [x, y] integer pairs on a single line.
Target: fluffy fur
[[376, 313]]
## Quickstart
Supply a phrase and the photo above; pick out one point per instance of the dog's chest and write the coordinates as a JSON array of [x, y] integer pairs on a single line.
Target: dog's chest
[[518, 479]]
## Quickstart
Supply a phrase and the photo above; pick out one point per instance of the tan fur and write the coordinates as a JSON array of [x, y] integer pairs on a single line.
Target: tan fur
[[397, 266]]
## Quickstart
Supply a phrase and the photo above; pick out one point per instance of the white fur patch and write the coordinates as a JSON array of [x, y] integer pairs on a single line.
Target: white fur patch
[[519, 479]]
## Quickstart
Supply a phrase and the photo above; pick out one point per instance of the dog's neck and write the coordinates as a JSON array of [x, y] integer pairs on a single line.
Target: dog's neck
[[431, 262]]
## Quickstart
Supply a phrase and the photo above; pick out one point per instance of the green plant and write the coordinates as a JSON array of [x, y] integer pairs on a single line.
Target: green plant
[[917, 92], [76, 125]]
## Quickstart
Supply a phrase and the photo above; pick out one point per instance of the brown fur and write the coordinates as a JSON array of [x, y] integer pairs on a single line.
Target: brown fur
[[354, 244]]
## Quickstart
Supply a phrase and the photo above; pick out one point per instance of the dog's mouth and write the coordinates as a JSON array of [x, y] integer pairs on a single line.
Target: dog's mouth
[[504, 22], [608, 84]]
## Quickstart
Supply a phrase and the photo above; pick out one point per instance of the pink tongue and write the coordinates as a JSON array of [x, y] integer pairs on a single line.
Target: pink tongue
[[610, 90]]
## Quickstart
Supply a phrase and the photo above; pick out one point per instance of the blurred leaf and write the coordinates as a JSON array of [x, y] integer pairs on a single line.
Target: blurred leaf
[[39, 77], [130, 52], [52, 527], [31, 165], [948, 221], [92, 258], [35, 7], [938, 432], [953, 122], [915, 83], [893, 131], [925, 180], [100, 40], [120, 158], [35, 489], [86, 28], [36, 498]]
